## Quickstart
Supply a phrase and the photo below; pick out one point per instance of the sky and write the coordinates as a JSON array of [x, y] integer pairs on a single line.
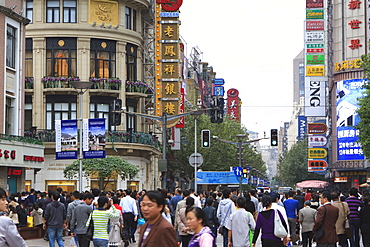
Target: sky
[[251, 44]]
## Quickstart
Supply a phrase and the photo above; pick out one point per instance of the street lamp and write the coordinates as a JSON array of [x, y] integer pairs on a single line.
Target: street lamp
[[81, 87]]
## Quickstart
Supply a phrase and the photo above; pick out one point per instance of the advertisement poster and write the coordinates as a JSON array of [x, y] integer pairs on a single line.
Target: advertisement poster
[[94, 138], [348, 92], [66, 139], [302, 127]]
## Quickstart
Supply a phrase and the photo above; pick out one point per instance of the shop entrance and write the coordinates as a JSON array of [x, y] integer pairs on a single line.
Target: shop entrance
[[12, 183]]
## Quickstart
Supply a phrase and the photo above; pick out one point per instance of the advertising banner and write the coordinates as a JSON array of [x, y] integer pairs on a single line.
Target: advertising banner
[[348, 92], [317, 165], [314, 4], [302, 127], [94, 138], [314, 98], [315, 48], [218, 178], [314, 37], [314, 14], [233, 104], [66, 139], [314, 25], [315, 59], [312, 71], [317, 141], [317, 153]]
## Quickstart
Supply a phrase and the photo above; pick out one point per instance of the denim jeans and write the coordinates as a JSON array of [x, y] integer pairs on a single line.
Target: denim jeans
[[99, 242], [55, 234], [225, 236], [355, 241]]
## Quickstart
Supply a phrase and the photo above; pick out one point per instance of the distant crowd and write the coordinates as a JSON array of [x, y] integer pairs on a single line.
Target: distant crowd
[[186, 218]]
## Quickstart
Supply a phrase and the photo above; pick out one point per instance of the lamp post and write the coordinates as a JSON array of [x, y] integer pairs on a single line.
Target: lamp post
[[81, 87]]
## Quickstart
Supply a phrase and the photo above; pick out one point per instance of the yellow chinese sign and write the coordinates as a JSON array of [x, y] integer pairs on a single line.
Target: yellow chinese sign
[[317, 153], [348, 64], [315, 70], [103, 11]]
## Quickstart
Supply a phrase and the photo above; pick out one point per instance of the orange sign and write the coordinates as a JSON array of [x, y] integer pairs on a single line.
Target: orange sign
[[317, 165]]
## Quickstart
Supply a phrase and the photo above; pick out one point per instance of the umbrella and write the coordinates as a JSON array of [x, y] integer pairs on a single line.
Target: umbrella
[[312, 184], [365, 185]]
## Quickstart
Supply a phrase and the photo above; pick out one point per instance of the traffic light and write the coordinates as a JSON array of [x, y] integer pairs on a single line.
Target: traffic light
[[246, 172], [206, 138], [115, 115], [274, 137]]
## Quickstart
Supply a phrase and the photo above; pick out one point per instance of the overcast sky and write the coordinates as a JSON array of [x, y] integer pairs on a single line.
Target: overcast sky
[[251, 44]]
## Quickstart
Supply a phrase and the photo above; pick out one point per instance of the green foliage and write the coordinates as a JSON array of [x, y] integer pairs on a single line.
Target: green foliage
[[364, 110], [292, 168], [220, 156], [103, 168]]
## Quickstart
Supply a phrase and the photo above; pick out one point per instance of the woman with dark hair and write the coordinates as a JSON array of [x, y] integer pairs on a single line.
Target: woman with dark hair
[[197, 221], [157, 231], [365, 222], [249, 205], [266, 223], [100, 218], [9, 235], [185, 233], [211, 215]]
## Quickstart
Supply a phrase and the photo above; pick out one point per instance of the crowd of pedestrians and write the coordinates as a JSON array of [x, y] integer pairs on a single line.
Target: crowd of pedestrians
[[185, 218]]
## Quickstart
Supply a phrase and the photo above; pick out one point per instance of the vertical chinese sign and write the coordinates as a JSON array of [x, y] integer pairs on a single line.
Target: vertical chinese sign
[[233, 104], [168, 59], [66, 139]]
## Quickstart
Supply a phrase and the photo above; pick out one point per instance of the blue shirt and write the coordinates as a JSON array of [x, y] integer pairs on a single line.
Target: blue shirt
[[291, 207], [174, 201]]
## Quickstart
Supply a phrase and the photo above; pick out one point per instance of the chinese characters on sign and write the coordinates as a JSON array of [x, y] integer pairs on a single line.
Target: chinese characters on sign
[[233, 104], [351, 64]]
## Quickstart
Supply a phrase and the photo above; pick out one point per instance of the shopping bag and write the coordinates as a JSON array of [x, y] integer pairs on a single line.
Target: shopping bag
[[72, 242]]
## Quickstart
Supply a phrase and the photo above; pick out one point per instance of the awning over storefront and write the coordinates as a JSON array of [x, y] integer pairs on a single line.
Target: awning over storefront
[[312, 184]]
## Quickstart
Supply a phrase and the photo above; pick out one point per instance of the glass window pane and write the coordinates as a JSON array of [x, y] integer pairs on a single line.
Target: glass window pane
[[48, 120], [57, 116], [57, 106], [56, 15], [66, 15], [65, 106], [28, 106], [29, 4], [73, 106], [70, 3], [92, 107], [49, 15], [73, 67], [53, 3], [103, 107], [73, 115], [73, 15], [92, 115], [65, 116], [48, 106]]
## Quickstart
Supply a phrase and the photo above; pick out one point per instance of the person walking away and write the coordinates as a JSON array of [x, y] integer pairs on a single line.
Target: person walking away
[[225, 209], [37, 215], [203, 236], [300, 198], [129, 212], [307, 216], [239, 225], [71, 206], [115, 229], [13, 215], [183, 229], [174, 201], [9, 235], [157, 231], [79, 218], [211, 215], [100, 218], [249, 205], [275, 197], [354, 204], [266, 222], [326, 217], [365, 222], [342, 217], [292, 208], [55, 220]]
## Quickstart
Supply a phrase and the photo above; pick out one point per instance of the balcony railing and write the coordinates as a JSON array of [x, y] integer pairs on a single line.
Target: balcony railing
[[58, 82], [106, 83], [24, 139], [111, 136], [28, 82], [138, 87]]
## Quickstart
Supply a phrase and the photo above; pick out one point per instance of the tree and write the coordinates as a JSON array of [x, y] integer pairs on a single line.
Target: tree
[[219, 156], [364, 109], [104, 168], [292, 168]]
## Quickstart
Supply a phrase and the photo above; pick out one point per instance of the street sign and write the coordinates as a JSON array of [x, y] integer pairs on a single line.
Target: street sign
[[317, 128], [317, 153], [238, 171], [196, 158]]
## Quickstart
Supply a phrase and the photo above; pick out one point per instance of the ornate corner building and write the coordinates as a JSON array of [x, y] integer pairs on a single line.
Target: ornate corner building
[[109, 43]]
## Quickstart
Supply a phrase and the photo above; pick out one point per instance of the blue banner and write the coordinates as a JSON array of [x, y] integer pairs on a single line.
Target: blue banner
[[302, 127], [348, 92], [218, 178], [94, 138], [66, 139]]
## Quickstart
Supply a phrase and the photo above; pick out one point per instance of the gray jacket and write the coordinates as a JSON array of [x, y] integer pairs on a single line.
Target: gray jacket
[[9, 235], [80, 214], [70, 208], [307, 218], [55, 214], [224, 210]]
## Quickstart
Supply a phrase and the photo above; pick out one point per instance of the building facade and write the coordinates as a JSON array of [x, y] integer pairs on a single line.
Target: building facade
[[103, 42]]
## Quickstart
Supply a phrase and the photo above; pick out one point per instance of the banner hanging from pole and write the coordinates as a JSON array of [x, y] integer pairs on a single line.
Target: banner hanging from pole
[[93, 138], [66, 139]]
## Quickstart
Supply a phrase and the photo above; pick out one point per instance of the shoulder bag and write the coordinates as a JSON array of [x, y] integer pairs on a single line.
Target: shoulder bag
[[347, 226], [279, 229], [320, 232], [90, 229]]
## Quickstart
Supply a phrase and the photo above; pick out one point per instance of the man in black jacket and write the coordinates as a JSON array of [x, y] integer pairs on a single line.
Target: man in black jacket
[[55, 220]]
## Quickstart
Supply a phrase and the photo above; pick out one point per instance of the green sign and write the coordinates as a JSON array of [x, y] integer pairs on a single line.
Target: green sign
[[315, 59], [314, 14], [315, 45]]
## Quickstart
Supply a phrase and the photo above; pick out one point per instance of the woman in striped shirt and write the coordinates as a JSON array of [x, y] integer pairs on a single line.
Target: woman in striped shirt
[[101, 217]]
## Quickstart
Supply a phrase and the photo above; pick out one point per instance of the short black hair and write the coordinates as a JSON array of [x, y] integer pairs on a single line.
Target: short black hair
[[156, 197], [241, 201], [2, 193], [266, 201], [353, 192], [95, 192], [186, 193], [115, 199], [88, 196], [209, 201], [326, 194], [55, 196], [76, 194], [102, 201], [226, 193]]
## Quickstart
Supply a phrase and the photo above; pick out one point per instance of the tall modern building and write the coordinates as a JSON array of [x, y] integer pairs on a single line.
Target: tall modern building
[[109, 43]]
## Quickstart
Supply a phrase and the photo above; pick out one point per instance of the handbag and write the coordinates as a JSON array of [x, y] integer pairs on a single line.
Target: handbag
[[279, 229], [72, 243], [90, 229], [320, 231]]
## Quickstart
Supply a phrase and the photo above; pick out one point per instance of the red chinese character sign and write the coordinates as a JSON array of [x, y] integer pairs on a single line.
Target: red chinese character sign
[[181, 123], [170, 5], [314, 4], [233, 104]]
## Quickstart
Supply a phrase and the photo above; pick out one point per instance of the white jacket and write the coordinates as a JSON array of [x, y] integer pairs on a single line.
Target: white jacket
[[9, 235], [224, 210]]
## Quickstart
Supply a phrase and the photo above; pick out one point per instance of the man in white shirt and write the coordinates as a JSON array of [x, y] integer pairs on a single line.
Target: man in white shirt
[[129, 212], [196, 199]]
